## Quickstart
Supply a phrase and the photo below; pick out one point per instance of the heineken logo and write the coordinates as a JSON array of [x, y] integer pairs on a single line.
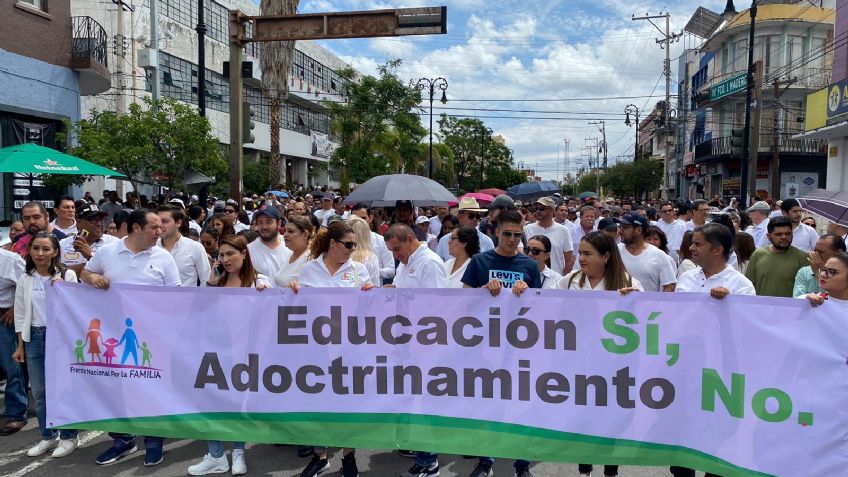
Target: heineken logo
[[51, 165]]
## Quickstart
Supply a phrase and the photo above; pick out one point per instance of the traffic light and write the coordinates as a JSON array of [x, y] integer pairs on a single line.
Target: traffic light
[[247, 124], [737, 142]]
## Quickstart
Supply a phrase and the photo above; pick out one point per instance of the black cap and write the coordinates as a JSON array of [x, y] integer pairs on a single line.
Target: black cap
[[90, 211], [607, 224], [634, 219]]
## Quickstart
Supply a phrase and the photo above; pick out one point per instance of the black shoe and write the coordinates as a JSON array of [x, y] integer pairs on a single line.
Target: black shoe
[[422, 471], [349, 466], [406, 453], [305, 451], [523, 472], [316, 466], [482, 470]]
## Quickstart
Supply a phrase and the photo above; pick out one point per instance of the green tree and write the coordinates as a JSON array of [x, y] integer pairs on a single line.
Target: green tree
[[633, 178], [161, 143], [474, 152], [378, 127], [256, 179]]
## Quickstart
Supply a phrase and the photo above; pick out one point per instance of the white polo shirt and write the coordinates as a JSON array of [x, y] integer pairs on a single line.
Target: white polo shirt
[[651, 267], [387, 260], [11, 268], [350, 275], [71, 257], [425, 269], [192, 261], [694, 281], [153, 266], [674, 233], [266, 261], [560, 239], [760, 234], [571, 281], [804, 237]]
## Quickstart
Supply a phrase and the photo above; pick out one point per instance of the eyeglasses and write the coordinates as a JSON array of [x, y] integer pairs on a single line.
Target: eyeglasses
[[829, 272], [348, 245], [536, 251], [229, 211], [507, 234]]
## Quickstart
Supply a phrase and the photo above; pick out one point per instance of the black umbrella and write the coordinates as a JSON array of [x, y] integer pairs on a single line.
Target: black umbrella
[[385, 191], [832, 205], [532, 190]]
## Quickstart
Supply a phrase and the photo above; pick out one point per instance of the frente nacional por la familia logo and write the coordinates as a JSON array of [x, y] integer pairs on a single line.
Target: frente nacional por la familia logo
[[125, 356]]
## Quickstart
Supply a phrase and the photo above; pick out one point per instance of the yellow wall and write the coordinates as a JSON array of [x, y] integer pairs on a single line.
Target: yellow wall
[[816, 116]]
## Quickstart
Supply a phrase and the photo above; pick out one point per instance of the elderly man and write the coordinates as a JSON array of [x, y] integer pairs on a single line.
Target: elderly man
[[759, 213], [469, 214]]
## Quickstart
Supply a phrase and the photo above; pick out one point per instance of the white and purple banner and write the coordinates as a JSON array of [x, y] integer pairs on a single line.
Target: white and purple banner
[[740, 386]]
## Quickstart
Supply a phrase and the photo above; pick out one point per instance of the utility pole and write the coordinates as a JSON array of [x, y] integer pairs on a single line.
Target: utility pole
[[313, 26], [746, 191], [755, 107], [603, 145], [156, 86], [201, 58], [482, 154], [566, 159], [668, 37]]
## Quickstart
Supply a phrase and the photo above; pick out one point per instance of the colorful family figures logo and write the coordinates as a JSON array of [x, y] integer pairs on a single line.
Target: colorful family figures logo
[[128, 343]]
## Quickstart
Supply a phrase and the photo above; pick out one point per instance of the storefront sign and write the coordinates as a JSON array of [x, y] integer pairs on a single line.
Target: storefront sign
[[729, 86], [837, 102]]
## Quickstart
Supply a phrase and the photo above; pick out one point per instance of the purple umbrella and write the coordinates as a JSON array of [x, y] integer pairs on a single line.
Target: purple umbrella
[[832, 205]]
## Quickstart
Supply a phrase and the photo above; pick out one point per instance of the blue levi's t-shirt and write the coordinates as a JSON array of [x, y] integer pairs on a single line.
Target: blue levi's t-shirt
[[487, 265]]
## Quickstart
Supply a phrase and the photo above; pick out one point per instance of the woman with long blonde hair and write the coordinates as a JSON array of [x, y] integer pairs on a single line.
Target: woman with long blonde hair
[[364, 252]]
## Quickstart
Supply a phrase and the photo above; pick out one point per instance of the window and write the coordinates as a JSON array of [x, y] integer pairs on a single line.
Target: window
[[740, 55], [39, 4]]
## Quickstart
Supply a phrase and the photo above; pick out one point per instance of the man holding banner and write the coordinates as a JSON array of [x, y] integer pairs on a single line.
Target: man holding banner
[[135, 260]]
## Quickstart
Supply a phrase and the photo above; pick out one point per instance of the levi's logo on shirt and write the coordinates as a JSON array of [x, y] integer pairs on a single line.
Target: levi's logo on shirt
[[507, 278]]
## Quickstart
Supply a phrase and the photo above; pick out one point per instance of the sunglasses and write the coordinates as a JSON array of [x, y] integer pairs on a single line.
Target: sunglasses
[[536, 251], [229, 211], [348, 245], [517, 235], [829, 272]]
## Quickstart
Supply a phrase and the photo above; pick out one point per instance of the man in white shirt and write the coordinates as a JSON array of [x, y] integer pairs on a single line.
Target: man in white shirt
[[190, 256], [804, 237], [419, 266], [77, 250], [759, 213], [469, 214], [711, 246], [15, 398], [65, 211], [436, 222], [672, 227], [135, 260], [646, 263], [326, 208], [378, 243], [584, 225], [268, 254], [562, 247], [700, 209]]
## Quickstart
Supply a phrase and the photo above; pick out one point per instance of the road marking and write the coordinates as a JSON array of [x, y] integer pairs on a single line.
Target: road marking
[[35, 465]]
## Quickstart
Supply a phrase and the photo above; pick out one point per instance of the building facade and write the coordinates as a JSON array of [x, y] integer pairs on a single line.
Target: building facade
[[793, 43], [49, 59], [305, 141]]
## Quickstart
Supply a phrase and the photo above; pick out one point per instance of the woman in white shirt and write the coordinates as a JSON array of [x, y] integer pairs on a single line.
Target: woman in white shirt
[[43, 267], [232, 269], [298, 232], [601, 269], [364, 252], [685, 254], [539, 249], [656, 237], [333, 267], [464, 244], [833, 281]]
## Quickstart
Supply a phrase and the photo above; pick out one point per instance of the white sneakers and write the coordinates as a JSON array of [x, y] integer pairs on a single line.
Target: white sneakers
[[239, 464], [65, 447], [42, 447], [210, 465]]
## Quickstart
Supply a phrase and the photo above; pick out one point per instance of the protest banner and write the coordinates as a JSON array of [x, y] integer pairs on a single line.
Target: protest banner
[[740, 386]]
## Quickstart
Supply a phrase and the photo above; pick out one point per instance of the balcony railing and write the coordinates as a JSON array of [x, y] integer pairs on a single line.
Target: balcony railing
[[89, 40], [720, 146]]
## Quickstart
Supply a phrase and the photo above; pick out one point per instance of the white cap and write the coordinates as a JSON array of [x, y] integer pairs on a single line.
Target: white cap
[[422, 219]]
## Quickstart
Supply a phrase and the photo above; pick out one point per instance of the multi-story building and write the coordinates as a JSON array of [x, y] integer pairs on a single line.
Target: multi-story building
[[656, 143], [305, 142], [49, 59], [793, 42]]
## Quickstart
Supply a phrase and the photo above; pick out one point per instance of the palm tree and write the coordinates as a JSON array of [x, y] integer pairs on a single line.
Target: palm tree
[[275, 59]]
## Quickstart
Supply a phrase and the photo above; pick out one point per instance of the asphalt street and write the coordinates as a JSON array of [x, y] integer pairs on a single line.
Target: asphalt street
[[262, 460]]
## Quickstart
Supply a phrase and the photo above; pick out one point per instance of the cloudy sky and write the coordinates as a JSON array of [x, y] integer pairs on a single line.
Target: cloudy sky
[[536, 71]]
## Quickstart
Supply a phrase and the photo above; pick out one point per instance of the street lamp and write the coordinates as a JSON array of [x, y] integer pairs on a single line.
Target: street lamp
[[431, 85], [628, 110]]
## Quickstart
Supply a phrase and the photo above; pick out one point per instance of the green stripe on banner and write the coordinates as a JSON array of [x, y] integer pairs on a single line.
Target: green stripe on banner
[[412, 431]]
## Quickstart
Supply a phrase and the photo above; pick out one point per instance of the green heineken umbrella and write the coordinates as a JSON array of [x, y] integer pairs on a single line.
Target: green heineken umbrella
[[34, 159]]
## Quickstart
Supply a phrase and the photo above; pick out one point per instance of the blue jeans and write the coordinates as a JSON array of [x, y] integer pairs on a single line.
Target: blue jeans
[[425, 459], [149, 442], [216, 448], [35, 361], [16, 399], [518, 464]]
